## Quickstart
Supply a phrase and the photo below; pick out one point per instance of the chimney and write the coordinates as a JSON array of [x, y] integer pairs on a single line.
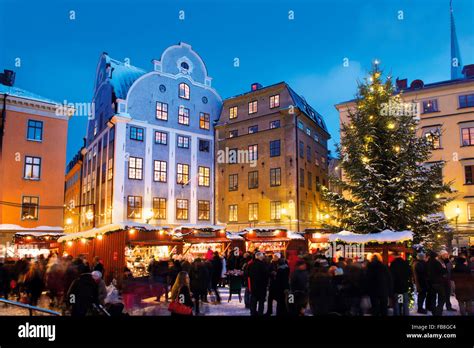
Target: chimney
[[7, 78], [401, 84], [417, 84], [468, 71], [255, 86]]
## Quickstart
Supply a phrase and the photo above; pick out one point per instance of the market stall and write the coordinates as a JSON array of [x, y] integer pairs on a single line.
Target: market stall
[[317, 239], [123, 245], [33, 244], [386, 243], [273, 239], [199, 239]]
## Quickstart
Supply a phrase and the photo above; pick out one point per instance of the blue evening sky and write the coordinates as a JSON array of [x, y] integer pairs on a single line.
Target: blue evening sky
[[59, 55]]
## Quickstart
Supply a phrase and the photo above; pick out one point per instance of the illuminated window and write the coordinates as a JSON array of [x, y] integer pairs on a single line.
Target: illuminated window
[[160, 171], [253, 107], [182, 174], [183, 91], [275, 176], [183, 142], [469, 175], [204, 176], [253, 129], [161, 111], [136, 133], [253, 211], [275, 210], [134, 207], [274, 101], [161, 138], [204, 210], [467, 136], [204, 120], [233, 133], [470, 211], [233, 112], [466, 101], [29, 208], [32, 170], [183, 116], [233, 182], [233, 213], [135, 168], [181, 209], [430, 106], [159, 208], [253, 152], [274, 124], [253, 180]]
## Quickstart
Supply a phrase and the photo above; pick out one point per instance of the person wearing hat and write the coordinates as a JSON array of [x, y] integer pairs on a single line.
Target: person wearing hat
[[101, 288], [421, 282], [444, 259]]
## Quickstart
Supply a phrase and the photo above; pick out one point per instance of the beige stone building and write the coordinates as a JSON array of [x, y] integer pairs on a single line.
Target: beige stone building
[[271, 158], [447, 107]]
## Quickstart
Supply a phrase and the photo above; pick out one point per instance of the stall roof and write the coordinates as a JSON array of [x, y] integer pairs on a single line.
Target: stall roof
[[269, 228], [234, 236], [386, 236], [109, 228], [200, 227], [12, 227], [39, 234]]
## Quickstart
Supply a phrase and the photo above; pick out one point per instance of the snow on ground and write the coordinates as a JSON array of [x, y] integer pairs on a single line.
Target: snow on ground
[[150, 307]]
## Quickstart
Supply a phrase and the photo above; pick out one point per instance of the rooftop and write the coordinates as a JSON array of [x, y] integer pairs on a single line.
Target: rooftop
[[21, 93]]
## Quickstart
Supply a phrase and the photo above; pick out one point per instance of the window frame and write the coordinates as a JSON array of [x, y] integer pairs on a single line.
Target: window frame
[[203, 123], [160, 140], [254, 210], [35, 129], [252, 107], [183, 115], [183, 143], [163, 114], [135, 167], [159, 208], [207, 211], [275, 177], [182, 174], [233, 178], [31, 206], [160, 171], [204, 176], [253, 178], [137, 204], [232, 115], [184, 87], [32, 167], [275, 210], [184, 211], [138, 131], [276, 101]]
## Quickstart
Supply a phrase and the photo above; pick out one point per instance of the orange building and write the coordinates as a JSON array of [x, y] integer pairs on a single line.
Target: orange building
[[33, 139]]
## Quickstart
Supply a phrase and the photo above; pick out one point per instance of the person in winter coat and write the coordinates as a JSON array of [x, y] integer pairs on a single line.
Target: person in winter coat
[[180, 292], [379, 285], [158, 271], [33, 283], [352, 288], [4, 280], [272, 277], [216, 274], [98, 266], [55, 281], [322, 291], [199, 278], [281, 286], [444, 258], [257, 282], [420, 276], [83, 295], [464, 286], [401, 276], [299, 285], [247, 260], [101, 287], [436, 280]]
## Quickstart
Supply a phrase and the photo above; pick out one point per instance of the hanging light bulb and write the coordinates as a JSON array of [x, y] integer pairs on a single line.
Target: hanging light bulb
[[391, 125]]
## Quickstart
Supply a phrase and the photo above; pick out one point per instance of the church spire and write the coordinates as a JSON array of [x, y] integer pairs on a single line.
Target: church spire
[[456, 63]]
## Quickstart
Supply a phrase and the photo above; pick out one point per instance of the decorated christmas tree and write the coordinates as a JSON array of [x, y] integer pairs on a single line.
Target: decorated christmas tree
[[387, 183]]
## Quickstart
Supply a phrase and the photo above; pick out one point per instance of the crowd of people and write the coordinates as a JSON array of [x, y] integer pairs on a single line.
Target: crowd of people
[[271, 284]]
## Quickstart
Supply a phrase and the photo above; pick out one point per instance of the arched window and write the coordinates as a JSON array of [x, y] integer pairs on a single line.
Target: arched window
[[183, 91]]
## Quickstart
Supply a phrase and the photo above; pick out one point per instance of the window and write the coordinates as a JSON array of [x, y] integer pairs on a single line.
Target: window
[[253, 129], [466, 101], [308, 153], [253, 152], [134, 207], [275, 148], [430, 106], [204, 176], [308, 131], [183, 142], [29, 208], [310, 181], [252, 107], [35, 130], [204, 120], [274, 101], [253, 211], [204, 210], [233, 212], [253, 179], [182, 174], [181, 209], [469, 173], [136, 133], [301, 149], [434, 137], [161, 138], [233, 112], [467, 135], [233, 133], [275, 210], [110, 169], [275, 176], [301, 177], [161, 111], [274, 124], [183, 116], [160, 171], [135, 168], [300, 125], [159, 208], [233, 182], [204, 145], [32, 168], [183, 91], [470, 211], [316, 138]]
